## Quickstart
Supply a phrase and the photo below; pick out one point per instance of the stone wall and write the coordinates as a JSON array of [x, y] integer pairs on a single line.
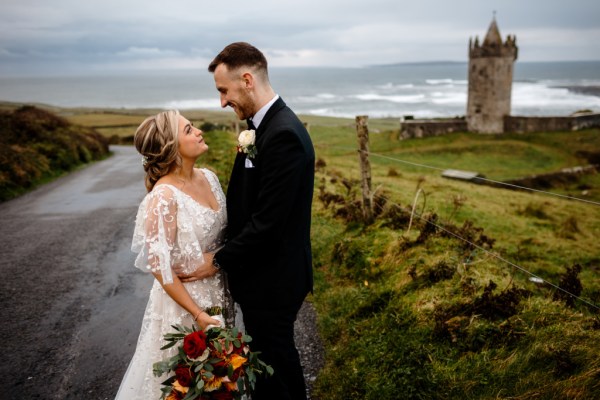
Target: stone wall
[[586, 121], [519, 124], [418, 128]]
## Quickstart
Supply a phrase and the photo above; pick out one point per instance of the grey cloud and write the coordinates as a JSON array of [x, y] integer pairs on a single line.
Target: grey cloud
[[72, 34]]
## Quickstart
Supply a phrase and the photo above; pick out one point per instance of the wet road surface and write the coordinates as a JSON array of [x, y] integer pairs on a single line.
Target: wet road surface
[[71, 301]]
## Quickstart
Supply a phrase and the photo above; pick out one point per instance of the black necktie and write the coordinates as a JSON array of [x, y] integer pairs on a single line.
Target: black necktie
[[250, 124]]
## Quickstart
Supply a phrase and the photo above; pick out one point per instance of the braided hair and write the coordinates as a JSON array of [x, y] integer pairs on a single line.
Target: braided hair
[[156, 140]]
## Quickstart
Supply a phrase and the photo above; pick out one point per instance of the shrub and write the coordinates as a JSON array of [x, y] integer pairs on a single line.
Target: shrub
[[570, 282], [36, 144]]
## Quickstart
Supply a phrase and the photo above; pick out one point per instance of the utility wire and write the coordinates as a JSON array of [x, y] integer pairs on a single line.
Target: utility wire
[[494, 255], [497, 256], [478, 178], [492, 181]]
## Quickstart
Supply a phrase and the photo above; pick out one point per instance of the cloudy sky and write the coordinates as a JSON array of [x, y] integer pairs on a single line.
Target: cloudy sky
[[47, 37]]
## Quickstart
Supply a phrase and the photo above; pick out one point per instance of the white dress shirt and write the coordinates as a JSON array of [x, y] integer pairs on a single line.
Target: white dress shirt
[[260, 114]]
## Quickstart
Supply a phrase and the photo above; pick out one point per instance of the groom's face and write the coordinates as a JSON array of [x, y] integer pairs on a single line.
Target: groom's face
[[234, 91]]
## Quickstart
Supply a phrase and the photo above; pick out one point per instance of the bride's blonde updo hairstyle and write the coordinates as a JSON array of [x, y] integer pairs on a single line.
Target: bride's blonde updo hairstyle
[[156, 140]]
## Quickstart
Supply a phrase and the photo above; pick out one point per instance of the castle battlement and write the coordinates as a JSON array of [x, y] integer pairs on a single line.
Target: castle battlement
[[488, 104], [493, 46], [490, 81]]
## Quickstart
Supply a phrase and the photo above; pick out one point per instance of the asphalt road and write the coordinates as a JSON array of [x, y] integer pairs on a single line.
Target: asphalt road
[[71, 302]]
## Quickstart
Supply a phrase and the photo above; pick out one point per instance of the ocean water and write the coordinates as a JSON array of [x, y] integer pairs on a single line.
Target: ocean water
[[422, 90]]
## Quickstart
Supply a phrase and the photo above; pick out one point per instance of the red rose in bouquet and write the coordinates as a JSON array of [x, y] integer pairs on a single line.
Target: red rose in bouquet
[[222, 396], [184, 375], [212, 364], [194, 344], [220, 368]]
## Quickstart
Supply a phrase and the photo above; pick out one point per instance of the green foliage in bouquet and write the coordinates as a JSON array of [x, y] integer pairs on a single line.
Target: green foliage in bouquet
[[212, 364]]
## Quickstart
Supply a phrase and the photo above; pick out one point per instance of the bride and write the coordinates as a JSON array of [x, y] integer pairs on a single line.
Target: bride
[[182, 216]]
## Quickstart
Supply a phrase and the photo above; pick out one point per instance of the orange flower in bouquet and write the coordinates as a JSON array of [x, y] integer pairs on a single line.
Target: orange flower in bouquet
[[215, 364]]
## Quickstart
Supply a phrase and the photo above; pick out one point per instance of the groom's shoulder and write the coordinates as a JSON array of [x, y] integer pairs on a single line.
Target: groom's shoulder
[[286, 118]]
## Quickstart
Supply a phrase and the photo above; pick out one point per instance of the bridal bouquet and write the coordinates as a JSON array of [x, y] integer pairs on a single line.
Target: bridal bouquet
[[212, 364]]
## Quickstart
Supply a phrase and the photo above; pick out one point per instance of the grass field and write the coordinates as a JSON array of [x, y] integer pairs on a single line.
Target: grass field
[[418, 313], [404, 318]]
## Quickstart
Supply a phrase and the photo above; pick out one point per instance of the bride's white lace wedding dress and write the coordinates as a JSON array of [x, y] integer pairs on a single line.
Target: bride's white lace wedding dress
[[173, 229]]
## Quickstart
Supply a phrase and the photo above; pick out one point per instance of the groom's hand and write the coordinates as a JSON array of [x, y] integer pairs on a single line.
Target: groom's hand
[[205, 270]]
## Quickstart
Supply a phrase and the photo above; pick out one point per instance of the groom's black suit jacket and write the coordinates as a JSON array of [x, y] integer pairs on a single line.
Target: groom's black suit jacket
[[267, 255]]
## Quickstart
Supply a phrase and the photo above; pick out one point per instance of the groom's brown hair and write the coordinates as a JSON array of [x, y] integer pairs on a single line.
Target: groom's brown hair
[[240, 54]]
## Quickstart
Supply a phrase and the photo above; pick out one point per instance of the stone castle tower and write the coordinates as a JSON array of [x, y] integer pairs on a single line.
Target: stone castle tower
[[490, 81]]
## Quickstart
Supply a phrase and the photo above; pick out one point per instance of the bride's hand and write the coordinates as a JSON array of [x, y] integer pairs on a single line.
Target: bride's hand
[[205, 320]]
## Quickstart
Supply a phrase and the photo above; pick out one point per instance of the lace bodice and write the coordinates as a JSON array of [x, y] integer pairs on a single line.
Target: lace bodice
[[172, 228]]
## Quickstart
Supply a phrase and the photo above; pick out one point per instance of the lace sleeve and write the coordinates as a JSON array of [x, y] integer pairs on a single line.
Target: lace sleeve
[[155, 233]]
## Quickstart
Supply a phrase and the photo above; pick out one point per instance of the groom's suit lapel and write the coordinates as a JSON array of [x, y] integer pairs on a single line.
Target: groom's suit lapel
[[261, 134], [274, 109], [264, 125], [243, 184]]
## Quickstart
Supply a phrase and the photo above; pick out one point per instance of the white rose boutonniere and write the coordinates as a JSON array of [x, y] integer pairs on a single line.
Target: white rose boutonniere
[[246, 144]]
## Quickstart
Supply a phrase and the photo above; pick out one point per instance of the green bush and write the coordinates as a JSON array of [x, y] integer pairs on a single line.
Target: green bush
[[36, 145]]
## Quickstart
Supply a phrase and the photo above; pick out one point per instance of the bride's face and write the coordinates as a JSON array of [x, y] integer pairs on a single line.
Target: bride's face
[[191, 139]]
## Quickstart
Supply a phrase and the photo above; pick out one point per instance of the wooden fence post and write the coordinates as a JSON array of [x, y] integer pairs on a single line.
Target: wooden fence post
[[362, 132], [307, 126]]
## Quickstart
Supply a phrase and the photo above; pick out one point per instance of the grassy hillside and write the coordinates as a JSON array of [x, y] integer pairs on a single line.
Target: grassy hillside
[[119, 125], [37, 145], [419, 313], [422, 314]]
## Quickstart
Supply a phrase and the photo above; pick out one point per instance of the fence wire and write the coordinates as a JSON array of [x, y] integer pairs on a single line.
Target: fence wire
[[537, 278], [510, 185]]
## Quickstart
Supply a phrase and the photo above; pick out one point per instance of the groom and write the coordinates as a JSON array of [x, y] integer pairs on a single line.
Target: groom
[[267, 255]]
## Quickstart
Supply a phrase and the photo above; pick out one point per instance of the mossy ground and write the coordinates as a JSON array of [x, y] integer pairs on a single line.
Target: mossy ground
[[418, 313], [408, 315]]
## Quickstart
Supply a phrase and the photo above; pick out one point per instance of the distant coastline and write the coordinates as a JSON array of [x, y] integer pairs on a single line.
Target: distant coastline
[[589, 90], [450, 62], [418, 64], [435, 89]]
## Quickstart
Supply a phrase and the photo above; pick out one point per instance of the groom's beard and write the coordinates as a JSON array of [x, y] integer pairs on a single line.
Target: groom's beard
[[243, 107]]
